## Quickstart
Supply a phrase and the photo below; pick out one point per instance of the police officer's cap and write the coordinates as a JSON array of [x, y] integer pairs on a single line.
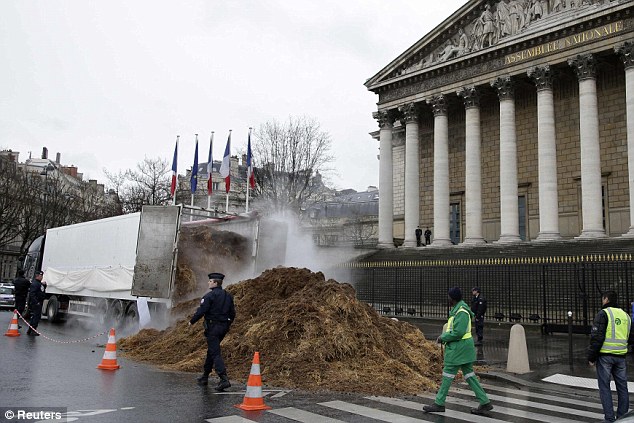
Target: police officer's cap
[[39, 272], [216, 276], [476, 288]]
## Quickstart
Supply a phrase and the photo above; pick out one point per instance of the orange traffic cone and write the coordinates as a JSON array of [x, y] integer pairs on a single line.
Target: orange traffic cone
[[13, 326], [109, 360], [253, 397]]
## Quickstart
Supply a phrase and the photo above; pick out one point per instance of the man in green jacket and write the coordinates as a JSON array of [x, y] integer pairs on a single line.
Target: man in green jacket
[[460, 354]]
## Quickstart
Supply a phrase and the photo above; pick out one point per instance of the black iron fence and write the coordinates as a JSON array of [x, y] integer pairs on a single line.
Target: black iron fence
[[539, 290]]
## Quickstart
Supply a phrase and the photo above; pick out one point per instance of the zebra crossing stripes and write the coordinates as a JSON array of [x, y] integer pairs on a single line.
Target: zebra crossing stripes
[[303, 416], [458, 415], [229, 419], [510, 405], [498, 410], [582, 382], [549, 397], [540, 405], [372, 413]]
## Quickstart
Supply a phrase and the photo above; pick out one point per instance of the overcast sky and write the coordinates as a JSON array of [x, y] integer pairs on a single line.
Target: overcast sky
[[106, 83]]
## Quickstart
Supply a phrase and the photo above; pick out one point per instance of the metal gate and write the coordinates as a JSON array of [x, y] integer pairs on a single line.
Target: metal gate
[[537, 290]]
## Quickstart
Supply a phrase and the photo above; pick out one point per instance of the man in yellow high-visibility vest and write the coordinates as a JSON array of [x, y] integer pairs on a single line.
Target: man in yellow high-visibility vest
[[609, 342], [460, 354]]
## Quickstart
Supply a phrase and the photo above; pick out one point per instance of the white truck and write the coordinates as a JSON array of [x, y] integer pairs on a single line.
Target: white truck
[[109, 267]]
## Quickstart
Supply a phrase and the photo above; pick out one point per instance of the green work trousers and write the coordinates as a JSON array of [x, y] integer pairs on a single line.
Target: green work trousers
[[448, 375]]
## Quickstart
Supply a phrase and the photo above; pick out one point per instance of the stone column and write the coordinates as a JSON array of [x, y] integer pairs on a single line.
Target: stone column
[[626, 50], [473, 167], [546, 155], [591, 201], [509, 217], [386, 187], [441, 171], [412, 172]]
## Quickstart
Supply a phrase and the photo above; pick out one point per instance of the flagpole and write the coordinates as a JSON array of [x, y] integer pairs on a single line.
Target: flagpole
[[225, 170], [174, 165], [194, 175], [210, 166], [247, 208]]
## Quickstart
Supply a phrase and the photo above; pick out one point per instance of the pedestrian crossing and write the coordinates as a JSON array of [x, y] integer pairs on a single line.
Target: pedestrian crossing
[[510, 405]]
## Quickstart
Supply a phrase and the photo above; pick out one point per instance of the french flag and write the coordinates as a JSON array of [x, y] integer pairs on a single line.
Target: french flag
[[225, 168], [173, 187], [250, 174]]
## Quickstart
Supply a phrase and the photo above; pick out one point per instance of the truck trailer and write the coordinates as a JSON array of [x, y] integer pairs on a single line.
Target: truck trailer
[[111, 268]]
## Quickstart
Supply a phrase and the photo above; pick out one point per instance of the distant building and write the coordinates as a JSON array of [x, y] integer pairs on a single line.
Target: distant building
[[349, 219], [55, 195]]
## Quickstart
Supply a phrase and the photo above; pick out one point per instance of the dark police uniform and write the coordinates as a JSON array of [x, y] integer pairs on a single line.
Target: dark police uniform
[[21, 290], [36, 298], [479, 307], [219, 312]]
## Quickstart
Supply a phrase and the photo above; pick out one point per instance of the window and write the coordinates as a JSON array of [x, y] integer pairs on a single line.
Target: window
[[454, 223], [521, 214]]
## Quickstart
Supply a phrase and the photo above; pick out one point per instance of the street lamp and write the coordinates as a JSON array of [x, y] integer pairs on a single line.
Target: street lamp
[[49, 168]]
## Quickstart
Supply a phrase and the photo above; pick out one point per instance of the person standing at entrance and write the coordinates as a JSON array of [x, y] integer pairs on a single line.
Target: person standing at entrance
[[459, 355], [419, 234], [427, 236], [478, 307], [609, 339], [219, 312]]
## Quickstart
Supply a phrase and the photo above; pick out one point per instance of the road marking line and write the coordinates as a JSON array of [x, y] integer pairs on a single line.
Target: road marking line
[[496, 409], [385, 416], [581, 382], [280, 394], [539, 405], [230, 419], [531, 394], [303, 416]]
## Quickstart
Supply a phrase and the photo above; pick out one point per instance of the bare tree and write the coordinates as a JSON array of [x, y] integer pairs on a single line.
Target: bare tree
[[289, 159], [147, 184], [31, 202], [12, 188]]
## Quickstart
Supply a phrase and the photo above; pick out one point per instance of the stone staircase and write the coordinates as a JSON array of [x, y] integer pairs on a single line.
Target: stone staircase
[[620, 248]]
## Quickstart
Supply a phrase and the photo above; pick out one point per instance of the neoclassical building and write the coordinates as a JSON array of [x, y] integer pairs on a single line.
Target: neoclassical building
[[512, 120]]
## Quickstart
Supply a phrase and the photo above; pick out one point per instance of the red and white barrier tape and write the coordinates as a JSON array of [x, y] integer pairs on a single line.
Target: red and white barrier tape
[[74, 341]]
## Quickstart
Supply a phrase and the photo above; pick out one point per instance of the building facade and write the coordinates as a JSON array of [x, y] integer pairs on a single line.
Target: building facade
[[512, 120], [346, 219]]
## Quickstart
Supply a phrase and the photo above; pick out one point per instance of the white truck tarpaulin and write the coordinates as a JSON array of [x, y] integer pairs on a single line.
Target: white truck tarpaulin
[[97, 280]]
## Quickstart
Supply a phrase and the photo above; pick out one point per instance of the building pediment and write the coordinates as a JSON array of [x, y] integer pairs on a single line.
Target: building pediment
[[481, 28]]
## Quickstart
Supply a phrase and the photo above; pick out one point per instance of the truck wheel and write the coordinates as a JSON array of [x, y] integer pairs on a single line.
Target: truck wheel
[[116, 312], [132, 315], [102, 312], [52, 309]]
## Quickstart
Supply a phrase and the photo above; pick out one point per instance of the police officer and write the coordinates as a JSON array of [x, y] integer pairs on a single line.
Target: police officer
[[37, 294], [219, 312], [609, 340], [478, 307], [21, 289]]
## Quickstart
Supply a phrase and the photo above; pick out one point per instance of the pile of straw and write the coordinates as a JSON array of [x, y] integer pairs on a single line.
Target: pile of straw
[[311, 333]]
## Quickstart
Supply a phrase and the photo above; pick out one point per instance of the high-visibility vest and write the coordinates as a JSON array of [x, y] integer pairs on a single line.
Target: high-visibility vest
[[467, 335], [617, 332]]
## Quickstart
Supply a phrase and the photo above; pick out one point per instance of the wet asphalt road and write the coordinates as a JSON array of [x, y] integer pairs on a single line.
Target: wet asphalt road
[[37, 372]]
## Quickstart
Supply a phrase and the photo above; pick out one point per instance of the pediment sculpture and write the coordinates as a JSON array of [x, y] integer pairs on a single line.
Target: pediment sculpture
[[497, 21]]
